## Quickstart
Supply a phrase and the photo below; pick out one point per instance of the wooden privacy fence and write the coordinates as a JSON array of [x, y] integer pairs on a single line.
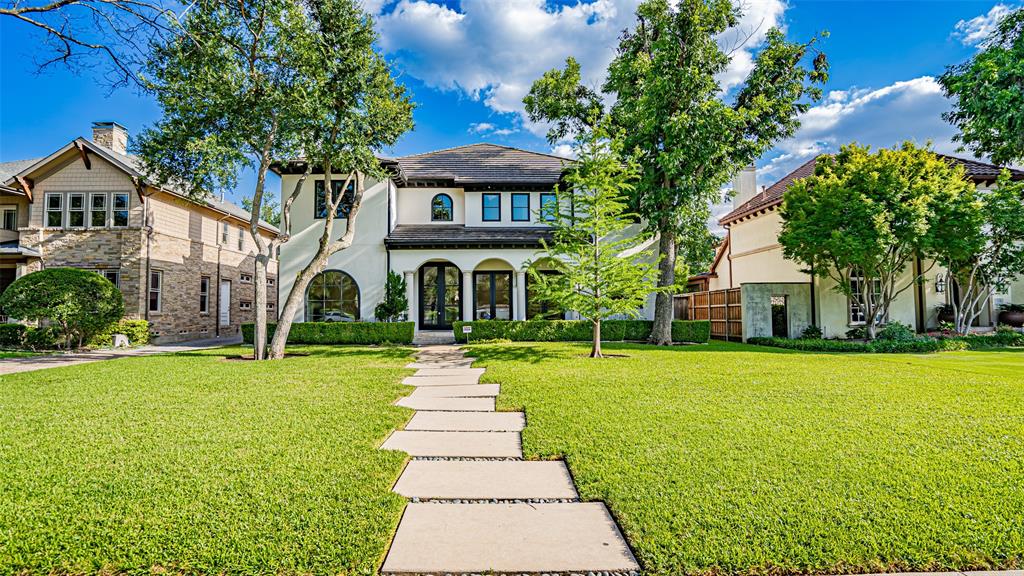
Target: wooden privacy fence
[[722, 307]]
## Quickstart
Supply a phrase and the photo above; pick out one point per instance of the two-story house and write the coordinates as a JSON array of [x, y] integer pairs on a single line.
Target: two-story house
[[461, 225], [185, 265]]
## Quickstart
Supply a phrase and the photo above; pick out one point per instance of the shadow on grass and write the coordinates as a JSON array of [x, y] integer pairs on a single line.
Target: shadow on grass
[[531, 352], [313, 351]]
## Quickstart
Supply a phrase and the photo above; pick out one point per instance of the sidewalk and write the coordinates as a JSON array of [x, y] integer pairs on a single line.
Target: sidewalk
[[31, 363]]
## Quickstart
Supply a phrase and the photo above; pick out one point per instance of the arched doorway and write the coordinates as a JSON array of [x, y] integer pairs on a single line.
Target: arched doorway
[[440, 295]]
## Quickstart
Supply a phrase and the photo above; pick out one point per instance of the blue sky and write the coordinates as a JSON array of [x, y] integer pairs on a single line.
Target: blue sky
[[468, 64]]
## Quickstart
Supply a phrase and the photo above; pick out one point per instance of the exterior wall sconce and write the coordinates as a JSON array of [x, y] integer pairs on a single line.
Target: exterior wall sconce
[[940, 283]]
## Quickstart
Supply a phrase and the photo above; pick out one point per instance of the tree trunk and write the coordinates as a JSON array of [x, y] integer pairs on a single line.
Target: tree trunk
[[291, 306], [259, 335], [661, 332], [595, 350]]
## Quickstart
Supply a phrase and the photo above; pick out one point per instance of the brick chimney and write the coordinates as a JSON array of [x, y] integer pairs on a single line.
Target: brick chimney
[[110, 135], [744, 186]]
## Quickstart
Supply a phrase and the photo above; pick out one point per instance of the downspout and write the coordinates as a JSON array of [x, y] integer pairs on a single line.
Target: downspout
[[920, 295], [147, 229], [729, 255]]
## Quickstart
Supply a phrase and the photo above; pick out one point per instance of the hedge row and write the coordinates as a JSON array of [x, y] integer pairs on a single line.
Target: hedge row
[[137, 332], [341, 332], [579, 330], [915, 346]]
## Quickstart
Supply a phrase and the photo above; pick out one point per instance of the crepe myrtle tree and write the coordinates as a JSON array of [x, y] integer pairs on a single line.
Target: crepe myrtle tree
[[357, 109], [864, 216], [687, 134], [602, 270], [982, 244], [233, 86], [988, 102]]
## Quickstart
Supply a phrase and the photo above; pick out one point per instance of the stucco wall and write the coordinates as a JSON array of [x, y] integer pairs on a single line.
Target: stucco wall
[[757, 307], [414, 205]]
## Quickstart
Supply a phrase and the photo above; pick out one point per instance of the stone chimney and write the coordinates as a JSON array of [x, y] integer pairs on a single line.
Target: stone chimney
[[744, 186], [111, 135]]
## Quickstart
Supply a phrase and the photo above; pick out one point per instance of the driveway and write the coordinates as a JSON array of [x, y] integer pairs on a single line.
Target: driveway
[[30, 363]]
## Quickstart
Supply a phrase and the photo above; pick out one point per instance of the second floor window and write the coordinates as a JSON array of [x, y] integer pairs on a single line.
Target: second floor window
[[98, 210], [320, 198], [441, 208], [120, 218], [521, 207], [548, 207], [54, 210], [241, 239], [76, 210], [491, 208], [10, 218]]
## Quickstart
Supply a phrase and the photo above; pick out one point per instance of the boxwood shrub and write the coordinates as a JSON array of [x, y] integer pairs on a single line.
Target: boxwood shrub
[[915, 346], [12, 335], [137, 332], [578, 330], [341, 332]]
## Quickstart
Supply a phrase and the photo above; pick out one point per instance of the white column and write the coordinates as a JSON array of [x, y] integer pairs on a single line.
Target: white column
[[410, 294], [520, 290], [467, 296]]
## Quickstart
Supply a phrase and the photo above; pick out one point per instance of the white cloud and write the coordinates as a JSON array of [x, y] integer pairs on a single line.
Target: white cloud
[[488, 129], [882, 117], [564, 150], [492, 51], [973, 32]]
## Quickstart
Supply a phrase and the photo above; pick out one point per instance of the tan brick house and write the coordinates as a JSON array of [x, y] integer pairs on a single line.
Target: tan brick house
[[186, 266]]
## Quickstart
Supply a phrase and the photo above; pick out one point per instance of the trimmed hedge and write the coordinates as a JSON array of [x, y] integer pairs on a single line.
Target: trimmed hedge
[[341, 332], [12, 335], [698, 331], [137, 332], [916, 346]]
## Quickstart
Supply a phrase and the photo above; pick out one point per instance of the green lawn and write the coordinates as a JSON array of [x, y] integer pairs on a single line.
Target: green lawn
[[196, 464], [734, 459], [16, 354]]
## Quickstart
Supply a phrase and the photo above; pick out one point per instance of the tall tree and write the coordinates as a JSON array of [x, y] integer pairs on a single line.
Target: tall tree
[[678, 125], [78, 34], [864, 216], [270, 212], [988, 93], [981, 244], [602, 272], [234, 84], [358, 109]]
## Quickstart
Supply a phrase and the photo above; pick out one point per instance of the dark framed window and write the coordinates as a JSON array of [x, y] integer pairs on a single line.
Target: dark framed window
[[548, 206], [492, 295], [441, 208], [491, 208], [537, 308], [320, 199], [333, 296], [521, 207]]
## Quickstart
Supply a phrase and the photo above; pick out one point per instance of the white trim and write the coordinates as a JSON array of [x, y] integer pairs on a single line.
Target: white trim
[[113, 210], [159, 290], [46, 210]]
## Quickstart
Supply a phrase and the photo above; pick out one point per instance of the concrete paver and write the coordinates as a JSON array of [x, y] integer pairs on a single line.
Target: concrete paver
[[479, 404], [450, 372], [485, 479], [468, 421], [467, 391], [452, 444], [508, 538], [460, 380], [441, 364]]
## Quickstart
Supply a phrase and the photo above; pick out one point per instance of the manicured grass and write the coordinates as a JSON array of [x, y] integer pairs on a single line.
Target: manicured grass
[[200, 465], [16, 354], [727, 458]]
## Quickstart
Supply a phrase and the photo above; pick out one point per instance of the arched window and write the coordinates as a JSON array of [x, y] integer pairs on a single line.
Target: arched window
[[333, 296], [441, 208]]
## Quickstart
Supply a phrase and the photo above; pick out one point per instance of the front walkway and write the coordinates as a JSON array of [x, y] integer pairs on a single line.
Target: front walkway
[[477, 506], [30, 363]]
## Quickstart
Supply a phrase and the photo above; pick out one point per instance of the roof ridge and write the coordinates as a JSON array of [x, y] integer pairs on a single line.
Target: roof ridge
[[503, 146]]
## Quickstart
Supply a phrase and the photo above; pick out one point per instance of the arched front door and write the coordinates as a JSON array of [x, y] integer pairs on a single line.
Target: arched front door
[[440, 295]]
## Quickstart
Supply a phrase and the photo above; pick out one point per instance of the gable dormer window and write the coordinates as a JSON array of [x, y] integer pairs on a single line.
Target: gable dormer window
[[320, 198], [441, 208]]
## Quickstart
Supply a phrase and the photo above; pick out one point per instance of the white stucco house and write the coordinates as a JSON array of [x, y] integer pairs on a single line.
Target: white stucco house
[[459, 224]]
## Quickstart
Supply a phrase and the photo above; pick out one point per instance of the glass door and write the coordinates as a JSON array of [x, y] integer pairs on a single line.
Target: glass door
[[492, 295], [440, 296]]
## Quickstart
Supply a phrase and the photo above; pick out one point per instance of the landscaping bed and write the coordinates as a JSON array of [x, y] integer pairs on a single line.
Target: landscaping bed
[[189, 464], [341, 332], [693, 331], [736, 459], [916, 345]]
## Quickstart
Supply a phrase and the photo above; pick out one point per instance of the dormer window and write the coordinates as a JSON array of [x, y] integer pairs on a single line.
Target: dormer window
[[441, 208]]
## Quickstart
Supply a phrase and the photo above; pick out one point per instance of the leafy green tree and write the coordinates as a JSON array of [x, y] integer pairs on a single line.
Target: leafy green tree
[[866, 215], [988, 105], [232, 83], [358, 109], [981, 244], [395, 303], [601, 269], [687, 139], [80, 302], [270, 211]]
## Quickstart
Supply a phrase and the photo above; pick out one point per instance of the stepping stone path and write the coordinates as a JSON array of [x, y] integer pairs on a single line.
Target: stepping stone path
[[478, 507]]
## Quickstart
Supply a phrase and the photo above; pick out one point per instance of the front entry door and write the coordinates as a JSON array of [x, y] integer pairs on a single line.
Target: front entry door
[[440, 296]]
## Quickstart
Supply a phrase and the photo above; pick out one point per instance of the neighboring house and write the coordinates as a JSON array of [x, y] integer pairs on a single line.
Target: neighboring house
[[186, 266], [778, 298], [460, 225]]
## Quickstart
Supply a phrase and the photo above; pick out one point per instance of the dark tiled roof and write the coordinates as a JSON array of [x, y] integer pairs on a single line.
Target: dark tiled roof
[[483, 164], [453, 236], [772, 196]]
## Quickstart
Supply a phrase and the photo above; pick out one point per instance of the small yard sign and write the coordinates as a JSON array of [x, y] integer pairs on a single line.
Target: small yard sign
[[467, 329]]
